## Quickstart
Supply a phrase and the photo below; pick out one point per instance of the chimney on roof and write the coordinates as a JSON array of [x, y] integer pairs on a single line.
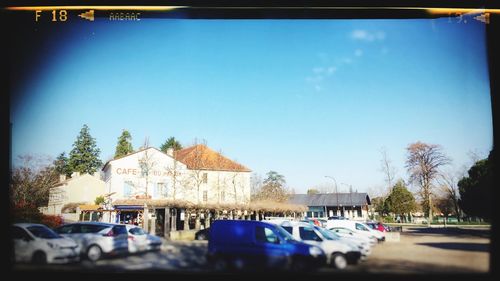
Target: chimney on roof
[[62, 178], [170, 152]]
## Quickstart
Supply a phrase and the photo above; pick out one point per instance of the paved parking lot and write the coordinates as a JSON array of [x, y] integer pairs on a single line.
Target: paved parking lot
[[419, 250]]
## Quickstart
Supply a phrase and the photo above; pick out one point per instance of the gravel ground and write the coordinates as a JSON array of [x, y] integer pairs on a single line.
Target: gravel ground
[[422, 250]]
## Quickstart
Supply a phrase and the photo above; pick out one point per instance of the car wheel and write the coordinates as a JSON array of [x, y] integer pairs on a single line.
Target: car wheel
[[220, 264], [339, 261], [300, 265], [94, 253], [40, 258]]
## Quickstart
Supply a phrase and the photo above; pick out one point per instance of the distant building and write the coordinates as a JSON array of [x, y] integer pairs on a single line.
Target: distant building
[[82, 189], [353, 205]]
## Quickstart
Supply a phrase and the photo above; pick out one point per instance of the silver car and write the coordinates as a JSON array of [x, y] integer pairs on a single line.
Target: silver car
[[140, 241], [97, 239]]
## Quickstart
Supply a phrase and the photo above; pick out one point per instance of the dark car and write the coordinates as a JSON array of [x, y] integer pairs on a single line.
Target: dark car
[[202, 234], [337, 218], [243, 245]]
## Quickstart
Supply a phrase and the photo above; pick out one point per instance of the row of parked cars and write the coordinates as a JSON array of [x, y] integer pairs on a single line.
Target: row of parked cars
[[40, 244], [288, 244]]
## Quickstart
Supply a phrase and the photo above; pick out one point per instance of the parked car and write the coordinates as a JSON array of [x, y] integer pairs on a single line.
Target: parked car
[[339, 253], [358, 227], [140, 241], [39, 244], [364, 246], [345, 232], [377, 226], [313, 221], [242, 244], [337, 218], [97, 239], [202, 234]]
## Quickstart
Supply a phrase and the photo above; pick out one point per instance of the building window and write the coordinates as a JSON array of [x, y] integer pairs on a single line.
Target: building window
[[205, 196], [205, 178], [359, 212], [127, 188], [162, 189]]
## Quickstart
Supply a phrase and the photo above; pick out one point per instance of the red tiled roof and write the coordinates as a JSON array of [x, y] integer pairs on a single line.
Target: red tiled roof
[[200, 157]]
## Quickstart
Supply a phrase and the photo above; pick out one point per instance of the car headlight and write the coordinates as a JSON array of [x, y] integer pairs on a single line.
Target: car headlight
[[315, 251], [53, 245]]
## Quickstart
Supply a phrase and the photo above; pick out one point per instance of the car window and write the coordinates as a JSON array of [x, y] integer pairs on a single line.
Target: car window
[[68, 229], [19, 233], [330, 235], [42, 232], [289, 229], [265, 235], [307, 233], [361, 227], [137, 231], [119, 229], [91, 228]]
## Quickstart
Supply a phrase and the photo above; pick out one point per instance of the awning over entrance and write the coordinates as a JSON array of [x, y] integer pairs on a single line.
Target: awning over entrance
[[128, 207]]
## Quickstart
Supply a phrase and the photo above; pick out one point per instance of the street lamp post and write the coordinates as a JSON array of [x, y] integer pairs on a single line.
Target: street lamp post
[[336, 193]]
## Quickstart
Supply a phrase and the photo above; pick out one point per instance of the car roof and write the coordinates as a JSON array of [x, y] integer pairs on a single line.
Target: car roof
[[94, 223], [27, 224]]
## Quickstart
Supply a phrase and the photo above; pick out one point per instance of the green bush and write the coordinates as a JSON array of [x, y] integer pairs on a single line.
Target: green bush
[[388, 219]]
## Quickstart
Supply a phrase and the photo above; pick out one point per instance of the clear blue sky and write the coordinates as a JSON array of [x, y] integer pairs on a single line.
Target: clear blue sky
[[306, 98]]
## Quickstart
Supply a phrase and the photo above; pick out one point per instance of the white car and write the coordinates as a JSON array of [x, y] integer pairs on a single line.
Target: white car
[[140, 241], [97, 239], [358, 227], [345, 232], [39, 244], [339, 253], [363, 245]]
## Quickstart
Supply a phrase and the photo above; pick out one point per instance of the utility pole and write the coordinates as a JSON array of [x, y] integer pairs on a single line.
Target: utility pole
[[336, 192]]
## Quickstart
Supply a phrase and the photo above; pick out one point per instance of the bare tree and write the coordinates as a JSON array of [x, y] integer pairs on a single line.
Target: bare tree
[[220, 181], [449, 186], [388, 169], [198, 174], [423, 163], [255, 185], [32, 180], [146, 163]]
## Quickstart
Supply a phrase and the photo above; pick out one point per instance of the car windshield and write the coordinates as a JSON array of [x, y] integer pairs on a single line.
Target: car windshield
[[137, 231], [43, 232], [327, 233], [285, 234]]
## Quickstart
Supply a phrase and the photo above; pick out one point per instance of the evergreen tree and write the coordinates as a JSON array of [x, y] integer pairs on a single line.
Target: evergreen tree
[[476, 189], [400, 201], [124, 145], [171, 143], [61, 165], [84, 157]]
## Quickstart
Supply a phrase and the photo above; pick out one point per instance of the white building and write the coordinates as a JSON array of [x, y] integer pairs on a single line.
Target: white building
[[196, 174], [83, 189]]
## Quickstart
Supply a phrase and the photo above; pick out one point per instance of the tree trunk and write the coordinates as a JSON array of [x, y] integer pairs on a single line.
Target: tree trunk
[[197, 222], [186, 219]]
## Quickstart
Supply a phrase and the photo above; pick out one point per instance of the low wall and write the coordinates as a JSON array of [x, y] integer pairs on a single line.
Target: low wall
[[70, 217], [183, 235], [392, 237]]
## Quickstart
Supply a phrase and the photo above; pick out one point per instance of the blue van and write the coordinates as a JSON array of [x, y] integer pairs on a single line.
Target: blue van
[[244, 244]]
